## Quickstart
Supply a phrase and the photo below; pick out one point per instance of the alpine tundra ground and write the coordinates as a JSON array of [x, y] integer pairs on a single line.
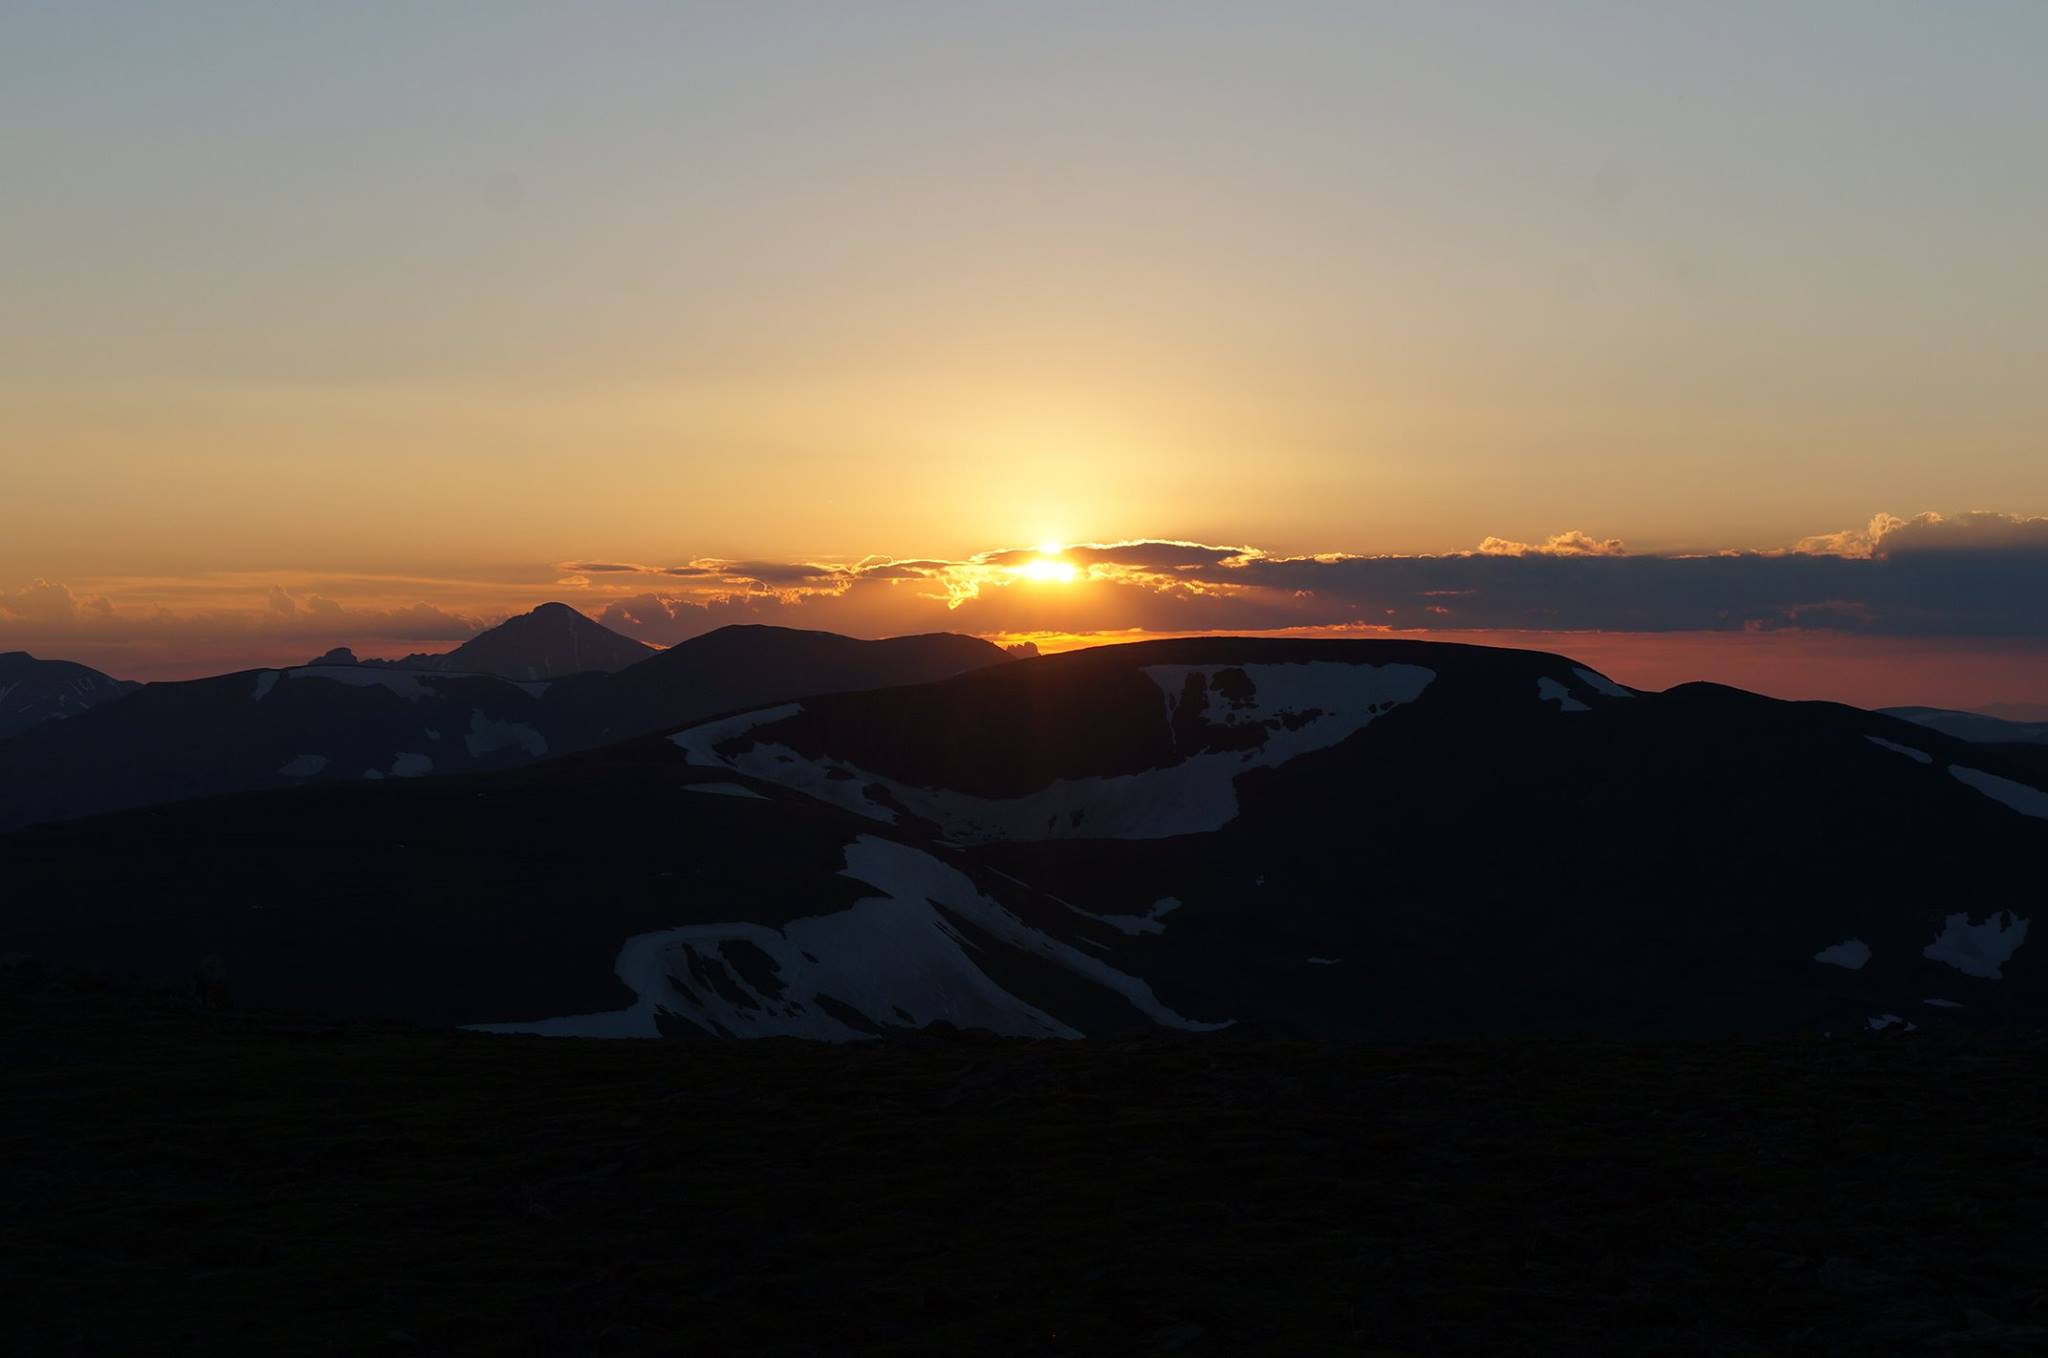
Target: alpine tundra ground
[[178, 1181]]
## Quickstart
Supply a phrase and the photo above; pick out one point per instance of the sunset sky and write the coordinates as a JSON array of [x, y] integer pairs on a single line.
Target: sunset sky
[[1696, 340]]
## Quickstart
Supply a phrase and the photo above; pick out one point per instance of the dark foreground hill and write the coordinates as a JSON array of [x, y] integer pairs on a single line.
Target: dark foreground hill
[[194, 1183], [1340, 839]]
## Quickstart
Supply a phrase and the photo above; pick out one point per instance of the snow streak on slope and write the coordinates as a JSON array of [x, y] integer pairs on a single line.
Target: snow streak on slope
[[1550, 691], [1301, 707], [1601, 684], [2021, 798], [1917, 756], [893, 960]]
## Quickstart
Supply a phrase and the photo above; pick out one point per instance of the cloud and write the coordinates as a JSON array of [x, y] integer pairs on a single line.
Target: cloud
[[1573, 543], [1976, 531], [43, 604], [45, 612], [1976, 574], [1930, 575]]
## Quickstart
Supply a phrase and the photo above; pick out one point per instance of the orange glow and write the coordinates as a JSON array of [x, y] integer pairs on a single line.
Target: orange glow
[[1049, 567]]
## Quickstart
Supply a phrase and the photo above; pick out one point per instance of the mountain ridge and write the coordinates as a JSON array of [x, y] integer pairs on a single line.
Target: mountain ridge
[[1308, 837], [310, 724]]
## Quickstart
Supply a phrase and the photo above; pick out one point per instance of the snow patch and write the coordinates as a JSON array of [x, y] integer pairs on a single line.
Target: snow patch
[[881, 958], [724, 790], [411, 766], [1884, 1021], [303, 765], [1918, 756], [374, 775], [1942, 1004], [1550, 691], [1851, 953], [1302, 707], [1151, 922], [1979, 949], [2021, 798], [1324, 961], [487, 736], [1601, 684], [265, 682], [697, 743]]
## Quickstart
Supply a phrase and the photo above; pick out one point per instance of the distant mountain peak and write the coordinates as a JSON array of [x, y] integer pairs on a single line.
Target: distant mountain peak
[[547, 642]]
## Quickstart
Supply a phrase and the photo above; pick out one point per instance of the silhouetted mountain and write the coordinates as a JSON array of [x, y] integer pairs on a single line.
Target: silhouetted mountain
[[1352, 839], [327, 722], [2021, 712], [552, 641], [1976, 727], [266, 729], [34, 691], [751, 666]]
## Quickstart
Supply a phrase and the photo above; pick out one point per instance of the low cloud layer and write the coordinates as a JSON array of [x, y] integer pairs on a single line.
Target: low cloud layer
[[1977, 575]]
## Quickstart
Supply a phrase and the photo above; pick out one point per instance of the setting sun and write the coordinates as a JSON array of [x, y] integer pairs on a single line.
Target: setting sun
[[1050, 567]]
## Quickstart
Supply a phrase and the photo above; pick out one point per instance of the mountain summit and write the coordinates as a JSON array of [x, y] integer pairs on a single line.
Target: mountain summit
[[550, 642]]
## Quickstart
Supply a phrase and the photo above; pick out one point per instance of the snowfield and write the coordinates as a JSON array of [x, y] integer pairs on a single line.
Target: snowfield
[[411, 766], [1979, 949], [1851, 953], [892, 959], [1302, 707], [486, 736]]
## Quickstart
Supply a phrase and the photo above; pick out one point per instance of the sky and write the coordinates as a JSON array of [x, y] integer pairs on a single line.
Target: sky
[[1588, 325]]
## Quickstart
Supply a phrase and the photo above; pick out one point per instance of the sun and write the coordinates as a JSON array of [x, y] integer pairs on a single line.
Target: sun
[[1049, 567]]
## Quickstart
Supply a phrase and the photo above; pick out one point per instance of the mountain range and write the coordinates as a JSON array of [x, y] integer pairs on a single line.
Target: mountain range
[[326, 722], [1357, 839], [1980, 727]]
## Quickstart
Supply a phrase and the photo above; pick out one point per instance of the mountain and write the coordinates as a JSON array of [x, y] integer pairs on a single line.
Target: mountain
[[2016, 711], [751, 666], [1367, 839], [266, 729], [34, 691], [552, 641], [1976, 727], [331, 722]]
